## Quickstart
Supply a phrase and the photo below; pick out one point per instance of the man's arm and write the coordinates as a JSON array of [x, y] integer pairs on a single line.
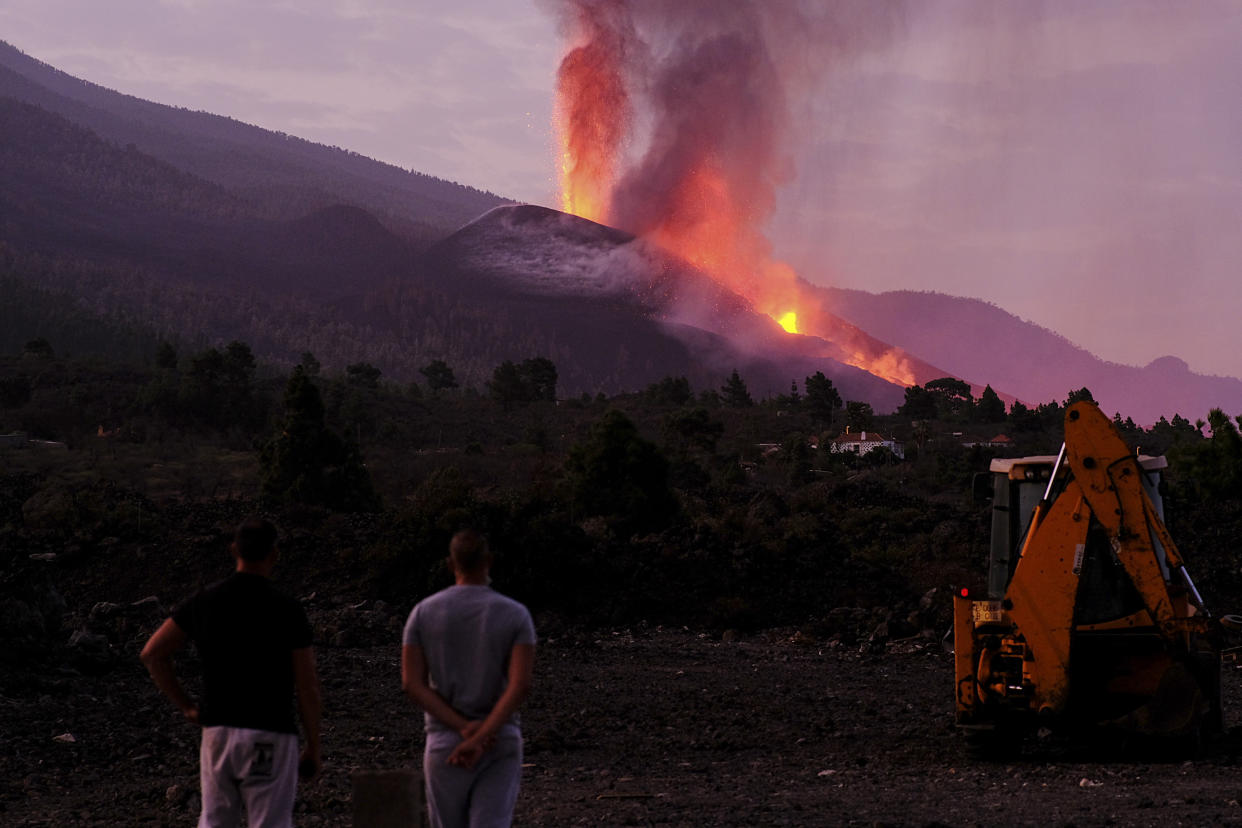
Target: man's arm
[[521, 672], [157, 656], [310, 705], [414, 683]]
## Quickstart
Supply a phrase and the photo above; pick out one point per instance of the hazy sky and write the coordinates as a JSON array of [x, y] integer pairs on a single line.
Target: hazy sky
[[1077, 162]]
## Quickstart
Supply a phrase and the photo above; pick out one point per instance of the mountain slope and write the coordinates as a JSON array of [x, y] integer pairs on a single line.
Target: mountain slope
[[280, 175], [68, 190]]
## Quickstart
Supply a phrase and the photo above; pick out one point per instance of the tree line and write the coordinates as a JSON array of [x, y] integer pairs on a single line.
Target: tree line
[[670, 502]]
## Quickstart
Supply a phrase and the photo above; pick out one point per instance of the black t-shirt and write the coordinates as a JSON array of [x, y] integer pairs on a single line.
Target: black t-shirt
[[245, 631]]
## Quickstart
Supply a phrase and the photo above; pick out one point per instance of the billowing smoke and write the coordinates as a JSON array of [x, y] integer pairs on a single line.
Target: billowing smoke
[[706, 184], [676, 125]]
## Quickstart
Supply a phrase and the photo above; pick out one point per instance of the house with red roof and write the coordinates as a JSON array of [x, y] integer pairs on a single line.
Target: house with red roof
[[861, 442]]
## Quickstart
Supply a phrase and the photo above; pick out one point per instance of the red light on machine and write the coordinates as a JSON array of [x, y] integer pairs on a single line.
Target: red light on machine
[[965, 592]]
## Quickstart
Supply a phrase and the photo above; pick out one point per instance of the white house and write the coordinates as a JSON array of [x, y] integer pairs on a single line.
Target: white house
[[861, 442]]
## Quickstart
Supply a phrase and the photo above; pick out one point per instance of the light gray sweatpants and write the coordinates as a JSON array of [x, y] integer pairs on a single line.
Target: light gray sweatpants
[[252, 769], [481, 797]]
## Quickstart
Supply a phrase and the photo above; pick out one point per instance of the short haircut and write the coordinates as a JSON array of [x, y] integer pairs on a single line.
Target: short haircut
[[255, 539], [469, 552]]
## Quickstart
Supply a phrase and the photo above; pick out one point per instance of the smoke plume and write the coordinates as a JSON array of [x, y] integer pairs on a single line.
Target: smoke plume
[[675, 122]]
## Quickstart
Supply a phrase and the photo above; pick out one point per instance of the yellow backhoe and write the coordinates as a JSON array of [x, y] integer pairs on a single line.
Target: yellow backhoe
[[1090, 619]]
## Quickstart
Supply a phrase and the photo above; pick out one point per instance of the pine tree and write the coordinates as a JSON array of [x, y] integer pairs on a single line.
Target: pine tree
[[990, 408], [822, 398], [618, 474], [306, 462], [734, 392], [439, 375]]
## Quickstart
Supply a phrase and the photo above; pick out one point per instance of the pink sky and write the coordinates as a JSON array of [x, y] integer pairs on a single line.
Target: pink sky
[[1075, 162]]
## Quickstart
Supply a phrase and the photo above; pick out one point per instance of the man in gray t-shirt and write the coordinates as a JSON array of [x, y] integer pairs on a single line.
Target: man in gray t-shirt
[[467, 658]]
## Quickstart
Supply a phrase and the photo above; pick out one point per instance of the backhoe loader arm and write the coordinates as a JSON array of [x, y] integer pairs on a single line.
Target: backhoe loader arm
[[1105, 484], [1111, 480], [1042, 595]]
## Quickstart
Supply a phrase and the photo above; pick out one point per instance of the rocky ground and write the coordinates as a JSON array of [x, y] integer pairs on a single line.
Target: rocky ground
[[847, 721], [644, 726]]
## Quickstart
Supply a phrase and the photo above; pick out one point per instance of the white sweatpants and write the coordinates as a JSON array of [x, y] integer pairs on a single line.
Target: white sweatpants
[[481, 797], [254, 769]]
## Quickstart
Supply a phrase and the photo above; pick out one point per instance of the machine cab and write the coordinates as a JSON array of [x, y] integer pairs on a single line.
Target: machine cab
[[1018, 483]]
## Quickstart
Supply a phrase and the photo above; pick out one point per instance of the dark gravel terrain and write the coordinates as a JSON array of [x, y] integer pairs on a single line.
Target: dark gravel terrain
[[628, 727], [846, 721]]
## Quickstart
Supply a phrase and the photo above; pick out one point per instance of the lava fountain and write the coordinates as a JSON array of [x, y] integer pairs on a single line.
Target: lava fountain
[[593, 106]]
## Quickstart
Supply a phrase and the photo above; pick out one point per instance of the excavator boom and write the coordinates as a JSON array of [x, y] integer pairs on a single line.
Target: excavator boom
[[1098, 623]]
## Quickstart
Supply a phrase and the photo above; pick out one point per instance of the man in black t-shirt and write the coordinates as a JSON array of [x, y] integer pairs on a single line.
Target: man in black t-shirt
[[255, 646]]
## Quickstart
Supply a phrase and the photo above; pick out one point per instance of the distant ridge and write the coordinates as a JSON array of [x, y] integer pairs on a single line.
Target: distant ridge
[[981, 342]]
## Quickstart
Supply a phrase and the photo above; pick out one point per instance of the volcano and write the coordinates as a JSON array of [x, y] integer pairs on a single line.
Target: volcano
[[616, 299], [209, 230]]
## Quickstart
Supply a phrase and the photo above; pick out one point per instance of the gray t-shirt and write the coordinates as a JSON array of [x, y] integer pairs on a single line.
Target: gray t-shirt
[[466, 634]]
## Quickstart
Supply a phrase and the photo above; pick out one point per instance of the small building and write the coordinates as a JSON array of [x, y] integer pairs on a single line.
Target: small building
[[1000, 441], [861, 442]]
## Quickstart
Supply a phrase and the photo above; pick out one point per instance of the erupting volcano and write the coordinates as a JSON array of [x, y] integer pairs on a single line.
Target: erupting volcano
[[673, 117]]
